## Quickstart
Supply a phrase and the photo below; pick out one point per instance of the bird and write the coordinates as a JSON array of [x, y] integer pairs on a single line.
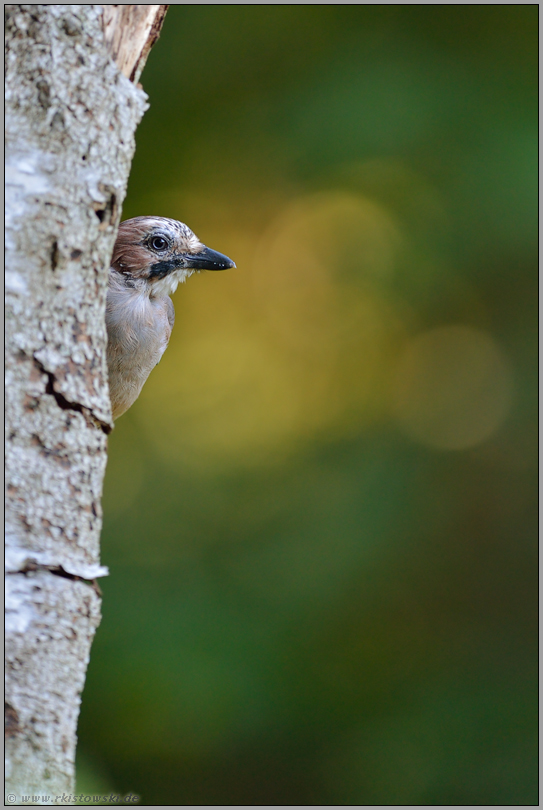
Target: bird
[[151, 256]]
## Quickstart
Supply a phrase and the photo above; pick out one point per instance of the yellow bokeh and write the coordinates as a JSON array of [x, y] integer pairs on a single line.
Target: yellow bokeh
[[452, 388], [296, 338]]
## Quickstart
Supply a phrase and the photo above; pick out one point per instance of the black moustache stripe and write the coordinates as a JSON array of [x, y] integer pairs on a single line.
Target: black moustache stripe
[[162, 269]]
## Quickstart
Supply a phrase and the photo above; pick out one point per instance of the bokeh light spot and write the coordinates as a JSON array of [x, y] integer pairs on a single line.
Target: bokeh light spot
[[452, 387], [301, 349]]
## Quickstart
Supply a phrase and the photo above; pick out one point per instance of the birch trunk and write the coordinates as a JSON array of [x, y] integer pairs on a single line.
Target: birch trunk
[[71, 115]]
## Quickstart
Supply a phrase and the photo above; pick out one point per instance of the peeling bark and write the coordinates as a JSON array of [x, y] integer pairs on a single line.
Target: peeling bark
[[71, 115], [131, 32]]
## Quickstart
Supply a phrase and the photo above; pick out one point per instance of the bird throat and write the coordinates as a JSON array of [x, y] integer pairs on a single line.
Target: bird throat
[[165, 283], [162, 269]]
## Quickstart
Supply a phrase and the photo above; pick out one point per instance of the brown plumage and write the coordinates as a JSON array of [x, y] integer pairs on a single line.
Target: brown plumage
[[152, 255]]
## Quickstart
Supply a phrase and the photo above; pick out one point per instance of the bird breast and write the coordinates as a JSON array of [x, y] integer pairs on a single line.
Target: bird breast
[[138, 330]]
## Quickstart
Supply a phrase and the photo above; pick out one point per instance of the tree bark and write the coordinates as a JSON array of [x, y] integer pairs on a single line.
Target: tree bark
[[71, 115]]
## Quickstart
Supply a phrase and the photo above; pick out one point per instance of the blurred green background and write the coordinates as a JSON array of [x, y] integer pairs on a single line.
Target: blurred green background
[[321, 514]]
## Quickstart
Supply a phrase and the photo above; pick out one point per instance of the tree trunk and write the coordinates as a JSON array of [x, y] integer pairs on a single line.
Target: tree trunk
[[71, 115]]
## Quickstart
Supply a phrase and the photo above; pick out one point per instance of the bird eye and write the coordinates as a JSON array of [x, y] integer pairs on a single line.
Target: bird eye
[[159, 243]]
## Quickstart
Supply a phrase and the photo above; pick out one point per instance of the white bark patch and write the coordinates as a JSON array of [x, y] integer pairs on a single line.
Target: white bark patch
[[50, 622]]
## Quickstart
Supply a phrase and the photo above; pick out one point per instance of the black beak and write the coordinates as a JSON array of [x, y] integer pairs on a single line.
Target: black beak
[[207, 259]]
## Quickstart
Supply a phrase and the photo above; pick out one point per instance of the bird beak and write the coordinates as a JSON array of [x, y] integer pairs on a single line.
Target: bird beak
[[207, 259]]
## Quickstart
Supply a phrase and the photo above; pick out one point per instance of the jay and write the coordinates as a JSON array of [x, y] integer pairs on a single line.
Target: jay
[[152, 255]]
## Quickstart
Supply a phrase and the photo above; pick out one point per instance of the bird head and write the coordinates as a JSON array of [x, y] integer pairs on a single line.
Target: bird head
[[157, 253]]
